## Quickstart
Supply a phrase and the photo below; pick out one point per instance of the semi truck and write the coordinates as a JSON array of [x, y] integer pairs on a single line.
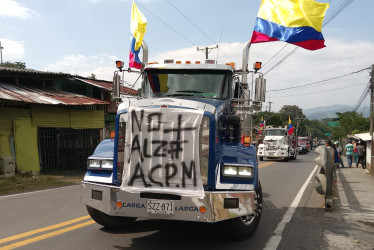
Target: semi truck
[[182, 150], [277, 144]]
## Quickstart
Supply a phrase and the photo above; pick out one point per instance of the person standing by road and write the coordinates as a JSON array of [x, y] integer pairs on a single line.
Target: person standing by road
[[335, 157], [355, 153], [361, 155], [339, 150], [349, 152]]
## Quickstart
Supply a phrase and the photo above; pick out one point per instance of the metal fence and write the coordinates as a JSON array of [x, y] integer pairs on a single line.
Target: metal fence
[[65, 150]]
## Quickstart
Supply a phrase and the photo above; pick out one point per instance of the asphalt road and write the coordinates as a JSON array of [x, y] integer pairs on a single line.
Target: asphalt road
[[56, 219]]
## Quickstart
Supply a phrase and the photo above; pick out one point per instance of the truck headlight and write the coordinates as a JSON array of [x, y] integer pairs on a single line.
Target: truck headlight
[[93, 164], [230, 170], [245, 171], [107, 164], [238, 171]]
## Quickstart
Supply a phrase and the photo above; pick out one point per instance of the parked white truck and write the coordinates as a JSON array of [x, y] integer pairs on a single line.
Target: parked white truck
[[277, 144]]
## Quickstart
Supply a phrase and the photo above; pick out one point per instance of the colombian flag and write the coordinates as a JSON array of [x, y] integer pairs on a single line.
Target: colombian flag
[[138, 27], [261, 126], [298, 22], [290, 126]]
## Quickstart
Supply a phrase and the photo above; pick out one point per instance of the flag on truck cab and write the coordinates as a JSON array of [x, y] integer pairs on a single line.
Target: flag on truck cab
[[290, 126], [138, 27], [298, 22]]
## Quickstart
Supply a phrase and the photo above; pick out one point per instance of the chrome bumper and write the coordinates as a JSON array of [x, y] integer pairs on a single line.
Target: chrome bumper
[[219, 205], [272, 154]]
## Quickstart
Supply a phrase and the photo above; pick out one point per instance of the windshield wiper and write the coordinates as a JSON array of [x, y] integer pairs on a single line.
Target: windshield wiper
[[192, 91], [180, 95]]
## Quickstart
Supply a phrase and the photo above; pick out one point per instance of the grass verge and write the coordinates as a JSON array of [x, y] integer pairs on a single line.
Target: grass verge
[[27, 182]]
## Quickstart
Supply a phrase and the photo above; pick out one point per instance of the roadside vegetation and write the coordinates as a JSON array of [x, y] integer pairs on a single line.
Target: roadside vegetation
[[32, 182], [350, 123]]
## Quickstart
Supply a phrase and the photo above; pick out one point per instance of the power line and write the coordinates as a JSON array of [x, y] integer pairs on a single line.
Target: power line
[[185, 38], [197, 27], [362, 97], [319, 82], [322, 91]]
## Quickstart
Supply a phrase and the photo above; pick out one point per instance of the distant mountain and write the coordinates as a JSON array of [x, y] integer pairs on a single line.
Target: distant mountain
[[320, 113]]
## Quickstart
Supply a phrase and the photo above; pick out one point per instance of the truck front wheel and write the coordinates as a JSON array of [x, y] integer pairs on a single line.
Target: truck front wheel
[[241, 228], [109, 221]]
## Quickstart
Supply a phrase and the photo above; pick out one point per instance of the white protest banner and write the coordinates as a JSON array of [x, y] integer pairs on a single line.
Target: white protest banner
[[162, 151]]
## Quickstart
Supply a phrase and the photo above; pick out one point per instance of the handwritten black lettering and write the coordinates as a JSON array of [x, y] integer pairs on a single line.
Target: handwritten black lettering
[[135, 145], [135, 117], [170, 174], [176, 148], [179, 129], [145, 146], [150, 175], [190, 173], [151, 120], [137, 175], [160, 149]]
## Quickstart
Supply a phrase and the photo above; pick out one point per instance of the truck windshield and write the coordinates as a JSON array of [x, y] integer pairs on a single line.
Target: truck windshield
[[275, 132], [198, 83]]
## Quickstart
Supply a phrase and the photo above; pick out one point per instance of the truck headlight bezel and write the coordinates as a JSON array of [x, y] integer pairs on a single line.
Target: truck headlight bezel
[[100, 164]]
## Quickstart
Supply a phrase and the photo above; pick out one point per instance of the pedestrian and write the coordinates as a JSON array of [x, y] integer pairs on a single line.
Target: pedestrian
[[355, 153], [361, 155], [339, 150], [349, 152], [336, 159]]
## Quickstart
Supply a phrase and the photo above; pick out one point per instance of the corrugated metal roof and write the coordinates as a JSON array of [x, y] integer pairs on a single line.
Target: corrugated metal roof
[[107, 85], [31, 71], [44, 96]]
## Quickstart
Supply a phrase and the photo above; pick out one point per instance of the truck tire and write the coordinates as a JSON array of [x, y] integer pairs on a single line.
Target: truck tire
[[113, 222], [287, 157], [241, 228], [261, 158]]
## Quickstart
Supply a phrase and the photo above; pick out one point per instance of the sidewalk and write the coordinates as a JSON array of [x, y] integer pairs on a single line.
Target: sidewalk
[[352, 219]]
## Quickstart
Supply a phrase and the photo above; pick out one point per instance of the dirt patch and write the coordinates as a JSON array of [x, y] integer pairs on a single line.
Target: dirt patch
[[31, 182]]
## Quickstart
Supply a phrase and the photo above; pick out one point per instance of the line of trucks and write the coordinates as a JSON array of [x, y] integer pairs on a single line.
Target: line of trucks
[[279, 144], [182, 149]]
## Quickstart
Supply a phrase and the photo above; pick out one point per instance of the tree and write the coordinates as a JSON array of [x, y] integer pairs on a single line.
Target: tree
[[15, 65], [352, 122], [92, 77]]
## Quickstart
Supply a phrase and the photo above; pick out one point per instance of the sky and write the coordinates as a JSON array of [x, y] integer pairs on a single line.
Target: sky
[[86, 37]]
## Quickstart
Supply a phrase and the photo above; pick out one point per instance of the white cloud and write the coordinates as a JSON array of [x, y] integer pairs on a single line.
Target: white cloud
[[11, 8], [102, 66], [13, 50], [302, 67], [95, 1]]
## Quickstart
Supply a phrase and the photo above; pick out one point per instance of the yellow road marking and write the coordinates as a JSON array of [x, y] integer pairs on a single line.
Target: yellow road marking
[[29, 233], [47, 235], [266, 164]]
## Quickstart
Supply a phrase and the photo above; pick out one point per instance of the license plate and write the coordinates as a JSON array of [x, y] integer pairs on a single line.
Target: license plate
[[160, 206], [271, 153]]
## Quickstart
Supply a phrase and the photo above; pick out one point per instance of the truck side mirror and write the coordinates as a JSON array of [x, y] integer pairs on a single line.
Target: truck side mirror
[[116, 86]]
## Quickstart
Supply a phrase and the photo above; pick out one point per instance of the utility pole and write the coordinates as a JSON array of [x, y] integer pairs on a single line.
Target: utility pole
[[371, 112], [1, 54], [269, 104], [207, 50]]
